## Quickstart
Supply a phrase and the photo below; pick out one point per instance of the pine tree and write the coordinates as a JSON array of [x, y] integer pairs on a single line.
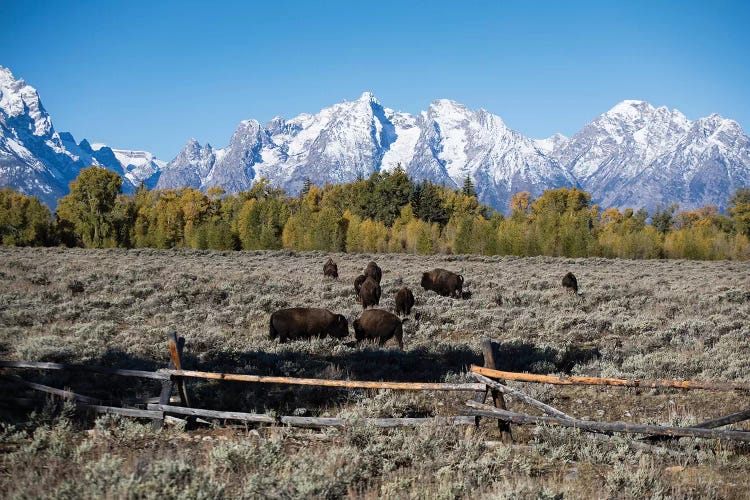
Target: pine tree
[[468, 188], [305, 187]]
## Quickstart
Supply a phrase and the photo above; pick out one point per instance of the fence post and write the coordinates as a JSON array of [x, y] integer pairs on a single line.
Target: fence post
[[176, 345], [490, 361]]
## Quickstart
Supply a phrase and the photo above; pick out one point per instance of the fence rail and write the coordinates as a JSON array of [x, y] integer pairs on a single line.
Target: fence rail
[[490, 381]]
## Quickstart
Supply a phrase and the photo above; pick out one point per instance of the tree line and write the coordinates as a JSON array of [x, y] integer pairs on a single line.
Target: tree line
[[387, 212]]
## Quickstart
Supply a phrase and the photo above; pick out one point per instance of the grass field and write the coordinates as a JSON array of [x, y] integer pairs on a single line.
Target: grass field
[[644, 319]]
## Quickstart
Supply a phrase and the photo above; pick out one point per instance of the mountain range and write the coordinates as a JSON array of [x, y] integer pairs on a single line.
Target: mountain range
[[634, 155]]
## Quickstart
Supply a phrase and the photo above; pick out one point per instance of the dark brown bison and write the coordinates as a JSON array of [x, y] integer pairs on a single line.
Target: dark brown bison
[[306, 322], [373, 271], [404, 301], [369, 293], [330, 269], [381, 325], [443, 282], [358, 283], [569, 282]]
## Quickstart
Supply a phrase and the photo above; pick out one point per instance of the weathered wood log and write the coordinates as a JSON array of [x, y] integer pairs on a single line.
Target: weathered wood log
[[624, 427], [377, 422], [307, 421], [84, 368], [175, 354], [520, 395], [354, 384], [621, 382], [491, 362], [127, 412], [732, 418], [224, 415], [57, 392]]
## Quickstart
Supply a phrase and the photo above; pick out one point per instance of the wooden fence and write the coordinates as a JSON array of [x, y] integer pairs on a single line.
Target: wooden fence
[[490, 382]]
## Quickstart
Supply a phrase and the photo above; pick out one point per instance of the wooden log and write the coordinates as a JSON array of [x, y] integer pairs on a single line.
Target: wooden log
[[224, 415], [127, 412], [167, 385], [84, 368], [354, 384], [57, 392], [624, 427], [520, 395], [732, 418], [377, 422], [621, 382], [175, 354], [490, 361]]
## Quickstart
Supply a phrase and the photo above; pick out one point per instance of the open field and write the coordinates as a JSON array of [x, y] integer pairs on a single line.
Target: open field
[[640, 319]]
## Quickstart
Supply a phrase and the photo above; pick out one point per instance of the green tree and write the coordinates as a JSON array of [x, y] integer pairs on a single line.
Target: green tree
[[88, 207], [468, 187], [430, 206], [663, 218]]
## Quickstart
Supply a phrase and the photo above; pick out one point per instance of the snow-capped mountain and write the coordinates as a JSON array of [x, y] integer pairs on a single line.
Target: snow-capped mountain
[[37, 160], [636, 155], [355, 138]]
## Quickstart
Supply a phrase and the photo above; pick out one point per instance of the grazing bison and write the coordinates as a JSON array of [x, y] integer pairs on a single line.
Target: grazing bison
[[306, 322], [381, 325], [404, 301], [570, 282], [358, 283], [369, 293], [373, 271], [330, 269], [443, 283]]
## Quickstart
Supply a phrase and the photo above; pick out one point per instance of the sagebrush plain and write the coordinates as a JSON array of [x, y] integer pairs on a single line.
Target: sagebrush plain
[[639, 319]]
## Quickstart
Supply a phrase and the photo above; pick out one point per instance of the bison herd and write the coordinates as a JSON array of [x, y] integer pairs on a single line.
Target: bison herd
[[373, 324]]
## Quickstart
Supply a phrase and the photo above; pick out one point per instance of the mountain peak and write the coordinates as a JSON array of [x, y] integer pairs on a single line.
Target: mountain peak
[[368, 96], [630, 108]]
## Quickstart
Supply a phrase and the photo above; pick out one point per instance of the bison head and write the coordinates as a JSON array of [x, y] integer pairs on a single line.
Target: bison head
[[426, 280], [340, 327], [358, 333]]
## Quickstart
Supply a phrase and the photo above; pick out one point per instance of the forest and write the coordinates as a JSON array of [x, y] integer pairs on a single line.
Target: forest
[[387, 212]]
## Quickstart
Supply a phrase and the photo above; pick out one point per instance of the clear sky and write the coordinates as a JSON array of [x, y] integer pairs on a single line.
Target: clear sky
[[151, 75]]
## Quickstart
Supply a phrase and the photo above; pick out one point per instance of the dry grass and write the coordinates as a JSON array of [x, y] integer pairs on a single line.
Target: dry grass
[[646, 319]]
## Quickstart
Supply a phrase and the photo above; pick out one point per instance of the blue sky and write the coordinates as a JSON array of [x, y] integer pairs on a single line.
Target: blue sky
[[151, 75]]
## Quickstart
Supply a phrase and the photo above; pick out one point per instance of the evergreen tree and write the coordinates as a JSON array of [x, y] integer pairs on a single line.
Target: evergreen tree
[[430, 207], [305, 187], [663, 219], [468, 188]]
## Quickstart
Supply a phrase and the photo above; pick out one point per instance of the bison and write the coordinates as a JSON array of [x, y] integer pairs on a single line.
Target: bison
[[373, 271], [369, 293], [404, 301], [306, 322], [381, 325], [569, 282], [358, 283], [442, 282], [330, 269]]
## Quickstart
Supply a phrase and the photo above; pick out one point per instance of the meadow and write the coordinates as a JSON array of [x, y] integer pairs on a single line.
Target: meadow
[[635, 318]]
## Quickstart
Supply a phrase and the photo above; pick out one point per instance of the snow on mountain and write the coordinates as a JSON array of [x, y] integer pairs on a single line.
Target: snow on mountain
[[38, 161], [636, 155], [33, 159], [355, 138]]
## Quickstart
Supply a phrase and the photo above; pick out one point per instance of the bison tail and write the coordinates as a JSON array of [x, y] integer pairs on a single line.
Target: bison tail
[[272, 333]]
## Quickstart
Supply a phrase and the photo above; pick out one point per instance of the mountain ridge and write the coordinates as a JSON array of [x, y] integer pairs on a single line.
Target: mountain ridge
[[633, 155]]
